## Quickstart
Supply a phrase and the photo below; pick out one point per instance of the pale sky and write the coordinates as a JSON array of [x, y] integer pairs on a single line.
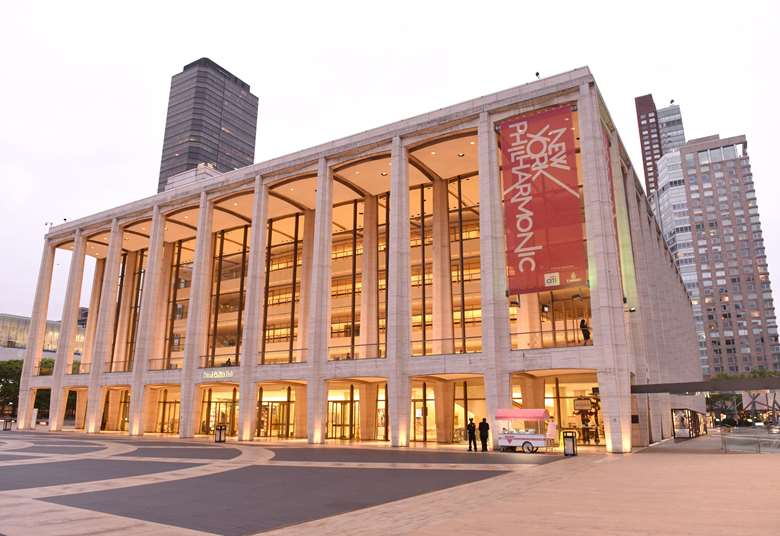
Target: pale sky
[[85, 87]]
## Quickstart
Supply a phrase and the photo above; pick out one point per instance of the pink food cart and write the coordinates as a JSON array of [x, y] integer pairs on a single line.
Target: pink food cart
[[525, 429]]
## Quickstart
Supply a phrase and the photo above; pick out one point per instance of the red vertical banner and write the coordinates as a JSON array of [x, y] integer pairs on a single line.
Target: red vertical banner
[[542, 202]]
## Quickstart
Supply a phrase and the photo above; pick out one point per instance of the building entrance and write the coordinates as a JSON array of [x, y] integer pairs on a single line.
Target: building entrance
[[276, 419], [219, 408], [116, 411], [344, 419], [423, 422], [167, 420]]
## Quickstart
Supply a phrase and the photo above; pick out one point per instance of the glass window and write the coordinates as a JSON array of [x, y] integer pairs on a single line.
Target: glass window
[[716, 155]]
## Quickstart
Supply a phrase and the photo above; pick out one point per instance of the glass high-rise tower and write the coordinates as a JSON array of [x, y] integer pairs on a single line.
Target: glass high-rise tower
[[212, 119]]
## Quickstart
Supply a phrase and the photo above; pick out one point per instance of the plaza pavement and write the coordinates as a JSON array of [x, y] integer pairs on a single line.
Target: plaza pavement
[[67, 484]]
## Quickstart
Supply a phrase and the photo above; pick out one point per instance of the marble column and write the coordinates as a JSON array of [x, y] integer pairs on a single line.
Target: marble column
[[253, 314], [300, 411], [104, 331], [528, 325], [32, 355], [532, 389], [149, 415], [368, 399], [443, 397], [369, 325], [318, 323], [607, 297], [443, 333], [399, 315], [493, 284], [81, 409], [67, 340], [306, 260], [149, 325], [197, 319]]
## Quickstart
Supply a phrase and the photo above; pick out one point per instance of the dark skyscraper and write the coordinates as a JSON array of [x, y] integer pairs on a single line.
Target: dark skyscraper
[[650, 137], [212, 118]]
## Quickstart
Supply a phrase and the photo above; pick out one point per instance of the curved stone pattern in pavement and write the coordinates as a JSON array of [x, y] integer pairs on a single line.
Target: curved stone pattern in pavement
[[57, 484]]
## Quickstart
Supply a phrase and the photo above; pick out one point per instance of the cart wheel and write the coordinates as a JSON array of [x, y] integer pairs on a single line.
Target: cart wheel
[[528, 448]]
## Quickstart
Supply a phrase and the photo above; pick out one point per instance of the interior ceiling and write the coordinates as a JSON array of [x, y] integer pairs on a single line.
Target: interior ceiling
[[181, 225], [446, 159], [556, 372]]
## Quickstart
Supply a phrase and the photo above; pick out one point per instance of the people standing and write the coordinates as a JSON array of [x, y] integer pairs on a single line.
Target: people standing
[[585, 331], [483, 433], [471, 428]]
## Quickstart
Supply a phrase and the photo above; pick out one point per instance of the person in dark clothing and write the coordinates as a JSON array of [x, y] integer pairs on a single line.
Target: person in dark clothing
[[471, 428], [483, 433], [585, 331]]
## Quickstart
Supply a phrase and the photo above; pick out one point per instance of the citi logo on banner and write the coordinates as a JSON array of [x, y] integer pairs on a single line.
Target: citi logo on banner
[[542, 205]]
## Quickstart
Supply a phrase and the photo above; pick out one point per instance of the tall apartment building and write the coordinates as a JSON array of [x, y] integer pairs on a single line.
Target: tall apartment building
[[669, 203], [660, 131], [733, 306], [212, 119], [670, 127]]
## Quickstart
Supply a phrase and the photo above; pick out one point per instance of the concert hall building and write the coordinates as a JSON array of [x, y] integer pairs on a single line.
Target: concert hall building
[[386, 286]]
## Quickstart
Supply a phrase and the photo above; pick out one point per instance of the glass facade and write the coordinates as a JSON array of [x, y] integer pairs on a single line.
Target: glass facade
[[178, 307], [15, 330], [282, 341], [228, 293]]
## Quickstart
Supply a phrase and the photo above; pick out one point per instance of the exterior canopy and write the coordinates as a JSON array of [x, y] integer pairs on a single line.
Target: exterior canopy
[[526, 414]]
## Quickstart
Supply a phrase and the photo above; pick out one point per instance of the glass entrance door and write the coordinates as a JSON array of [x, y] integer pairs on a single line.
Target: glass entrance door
[[424, 423], [167, 417], [276, 419], [219, 407], [343, 419]]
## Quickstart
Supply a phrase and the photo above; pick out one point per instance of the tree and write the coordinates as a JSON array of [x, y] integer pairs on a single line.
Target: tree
[[755, 373], [10, 375]]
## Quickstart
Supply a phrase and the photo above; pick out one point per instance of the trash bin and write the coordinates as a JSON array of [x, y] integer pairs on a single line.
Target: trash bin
[[569, 443], [220, 433]]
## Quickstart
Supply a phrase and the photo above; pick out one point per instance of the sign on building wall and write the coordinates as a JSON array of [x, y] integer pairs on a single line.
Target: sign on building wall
[[217, 374], [542, 205]]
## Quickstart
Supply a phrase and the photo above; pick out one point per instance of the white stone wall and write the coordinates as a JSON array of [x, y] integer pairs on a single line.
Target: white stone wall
[[654, 343]]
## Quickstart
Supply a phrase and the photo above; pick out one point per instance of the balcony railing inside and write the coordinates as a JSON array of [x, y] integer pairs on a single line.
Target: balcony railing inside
[[453, 345], [166, 363], [117, 366], [80, 368], [45, 370], [219, 360], [358, 351], [553, 338], [282, 356]]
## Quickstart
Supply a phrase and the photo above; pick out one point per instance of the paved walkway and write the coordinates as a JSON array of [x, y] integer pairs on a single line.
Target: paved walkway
[[683, 488], [76, 484]]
